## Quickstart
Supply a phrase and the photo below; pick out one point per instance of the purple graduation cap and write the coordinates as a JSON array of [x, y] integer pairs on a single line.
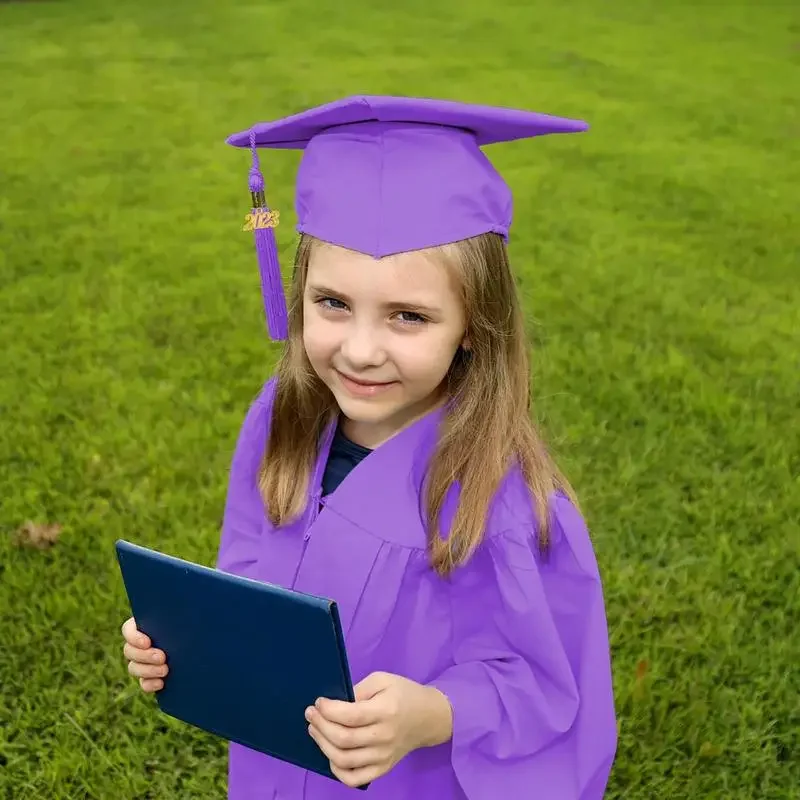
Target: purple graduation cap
[[385, 175]]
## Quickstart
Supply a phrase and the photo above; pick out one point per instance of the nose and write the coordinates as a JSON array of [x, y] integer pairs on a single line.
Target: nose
[[361, 347]]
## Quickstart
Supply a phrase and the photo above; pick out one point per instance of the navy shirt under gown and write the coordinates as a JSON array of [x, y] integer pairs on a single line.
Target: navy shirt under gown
[[344, 455]]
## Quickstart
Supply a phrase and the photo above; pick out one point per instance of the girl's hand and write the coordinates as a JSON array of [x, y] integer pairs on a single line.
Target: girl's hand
[[146, 664], [391, 717]]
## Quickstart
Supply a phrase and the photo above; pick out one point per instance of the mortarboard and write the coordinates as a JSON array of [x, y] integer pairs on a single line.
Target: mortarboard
[[386, 175]]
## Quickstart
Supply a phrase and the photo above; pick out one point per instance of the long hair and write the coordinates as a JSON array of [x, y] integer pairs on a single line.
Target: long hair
[[488, 428]]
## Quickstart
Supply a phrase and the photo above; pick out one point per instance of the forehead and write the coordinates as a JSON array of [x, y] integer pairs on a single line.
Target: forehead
[[415, 273]]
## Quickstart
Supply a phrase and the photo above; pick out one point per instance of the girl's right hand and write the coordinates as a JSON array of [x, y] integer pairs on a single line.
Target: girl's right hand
[[144, 662]]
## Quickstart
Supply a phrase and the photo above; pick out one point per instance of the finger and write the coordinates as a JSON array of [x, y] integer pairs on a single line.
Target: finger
[[151, 685], [352, 715], [147, 670], [133, 635], [144, 656], [342, 736], [371, 685], [344, 759], [357, 777]]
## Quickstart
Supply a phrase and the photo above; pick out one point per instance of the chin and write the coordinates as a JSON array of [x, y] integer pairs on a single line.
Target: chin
[[367, 410]]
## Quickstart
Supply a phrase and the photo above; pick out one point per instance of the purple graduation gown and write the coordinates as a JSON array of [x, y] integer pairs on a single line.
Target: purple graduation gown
[[519, 645]]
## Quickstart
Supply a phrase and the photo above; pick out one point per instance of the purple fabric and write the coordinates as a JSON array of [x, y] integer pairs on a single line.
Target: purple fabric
[[383, 175], [519, 645]]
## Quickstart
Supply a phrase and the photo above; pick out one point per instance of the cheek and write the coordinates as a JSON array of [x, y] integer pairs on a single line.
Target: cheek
[[318, 338], [426, 359]]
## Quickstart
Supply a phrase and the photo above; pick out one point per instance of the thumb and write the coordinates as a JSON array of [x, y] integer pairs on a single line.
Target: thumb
[[371, 685]]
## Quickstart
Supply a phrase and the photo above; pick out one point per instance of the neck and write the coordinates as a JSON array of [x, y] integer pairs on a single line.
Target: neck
[[374, 434]]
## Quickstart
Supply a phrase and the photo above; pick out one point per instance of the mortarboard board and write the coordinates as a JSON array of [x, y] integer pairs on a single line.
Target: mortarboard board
[[386, 175]]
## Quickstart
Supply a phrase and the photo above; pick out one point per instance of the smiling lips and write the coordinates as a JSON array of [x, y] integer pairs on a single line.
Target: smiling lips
[[363, 388]]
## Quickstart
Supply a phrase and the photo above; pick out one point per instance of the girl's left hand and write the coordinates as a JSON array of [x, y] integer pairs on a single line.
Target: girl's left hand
[[391, 717]]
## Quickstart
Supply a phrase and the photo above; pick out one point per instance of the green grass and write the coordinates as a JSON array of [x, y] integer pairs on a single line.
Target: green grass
[[660, 260]]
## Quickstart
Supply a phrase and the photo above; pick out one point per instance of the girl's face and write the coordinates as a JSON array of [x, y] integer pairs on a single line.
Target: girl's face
[[381, 334]]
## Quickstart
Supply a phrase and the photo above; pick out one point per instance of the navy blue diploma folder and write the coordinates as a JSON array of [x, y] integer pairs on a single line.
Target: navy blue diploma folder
[[245, 658]]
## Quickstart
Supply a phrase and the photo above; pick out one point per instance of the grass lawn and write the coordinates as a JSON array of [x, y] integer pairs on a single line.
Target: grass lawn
[[660, 260]]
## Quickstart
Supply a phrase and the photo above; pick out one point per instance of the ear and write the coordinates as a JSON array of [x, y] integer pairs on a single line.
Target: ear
[[465, 343]]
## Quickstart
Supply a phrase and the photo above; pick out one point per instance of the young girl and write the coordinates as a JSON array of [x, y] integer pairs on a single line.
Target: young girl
[[392, 465]]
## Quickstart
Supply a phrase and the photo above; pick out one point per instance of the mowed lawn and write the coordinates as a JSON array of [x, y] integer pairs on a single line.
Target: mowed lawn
[[659, 256]]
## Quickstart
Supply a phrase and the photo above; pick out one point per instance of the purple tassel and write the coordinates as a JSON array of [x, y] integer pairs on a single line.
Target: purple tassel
[[263, 222]]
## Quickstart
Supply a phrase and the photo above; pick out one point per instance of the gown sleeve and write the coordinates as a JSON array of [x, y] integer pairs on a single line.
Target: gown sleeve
[[531, 687], [244, 509]]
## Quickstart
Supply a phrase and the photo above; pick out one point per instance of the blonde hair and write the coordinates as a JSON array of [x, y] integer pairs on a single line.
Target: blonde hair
[[487, 430]]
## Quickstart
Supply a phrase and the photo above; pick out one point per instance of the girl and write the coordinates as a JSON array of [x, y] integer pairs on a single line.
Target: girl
[[392, 465]]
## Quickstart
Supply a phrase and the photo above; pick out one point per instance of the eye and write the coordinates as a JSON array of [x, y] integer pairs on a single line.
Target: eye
[[418, 319], [324, 301]]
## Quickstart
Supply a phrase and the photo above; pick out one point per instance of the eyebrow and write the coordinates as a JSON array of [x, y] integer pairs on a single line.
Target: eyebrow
[[396, 306]]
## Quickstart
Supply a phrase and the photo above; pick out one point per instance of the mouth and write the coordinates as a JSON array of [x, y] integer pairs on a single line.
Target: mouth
[[360, 382], [362, 388]]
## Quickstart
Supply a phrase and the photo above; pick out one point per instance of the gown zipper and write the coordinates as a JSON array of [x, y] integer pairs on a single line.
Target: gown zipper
[[316, 497], [314, 512]]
